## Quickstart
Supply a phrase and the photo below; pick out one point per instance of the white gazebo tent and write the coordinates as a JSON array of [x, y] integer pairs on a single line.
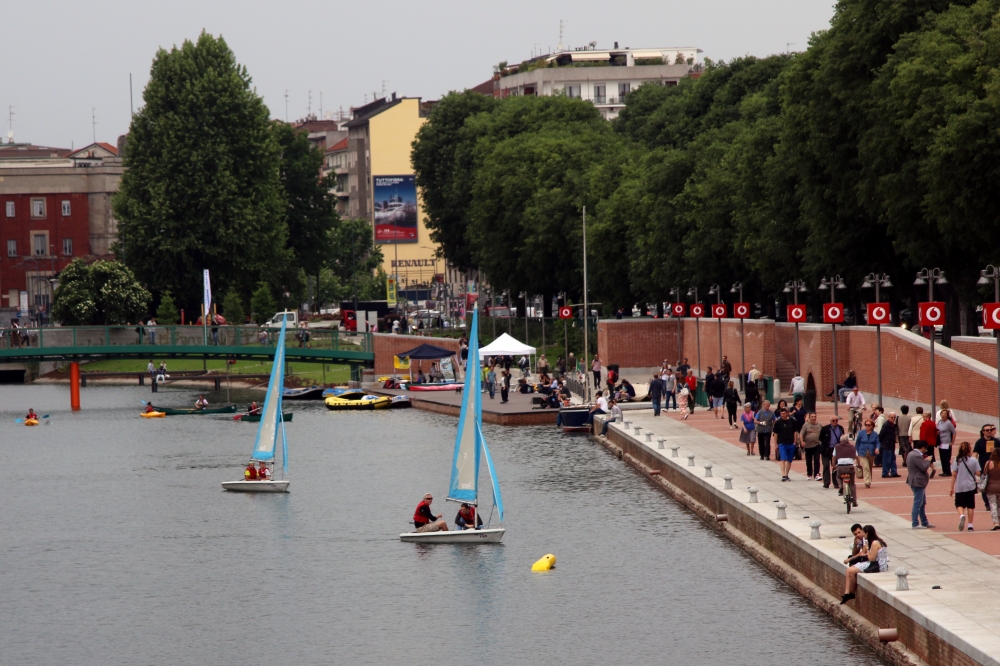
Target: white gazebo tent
[[506, 345]]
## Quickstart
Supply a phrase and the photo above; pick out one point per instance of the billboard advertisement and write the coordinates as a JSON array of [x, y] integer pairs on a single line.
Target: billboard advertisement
[[395, 199]]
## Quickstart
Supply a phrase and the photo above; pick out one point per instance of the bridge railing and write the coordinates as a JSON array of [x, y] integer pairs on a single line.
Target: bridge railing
[[179, 336]]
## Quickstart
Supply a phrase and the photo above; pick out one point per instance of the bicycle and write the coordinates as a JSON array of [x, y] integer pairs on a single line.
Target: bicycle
[[846, 474], [857, 419]]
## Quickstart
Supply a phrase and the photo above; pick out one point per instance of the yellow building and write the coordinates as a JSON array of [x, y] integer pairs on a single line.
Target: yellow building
[[382, 190]]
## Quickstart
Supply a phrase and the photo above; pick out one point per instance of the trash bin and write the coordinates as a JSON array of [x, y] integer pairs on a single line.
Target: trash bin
[[700, 396], [809, 401]]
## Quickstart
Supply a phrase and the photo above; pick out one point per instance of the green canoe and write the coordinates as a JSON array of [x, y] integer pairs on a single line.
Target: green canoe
[[169, 411], [255, 418]]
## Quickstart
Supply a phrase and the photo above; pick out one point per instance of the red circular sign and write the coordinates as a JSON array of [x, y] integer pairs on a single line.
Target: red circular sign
[[742, 310], [697, 310], [565, 313], [719, 310]]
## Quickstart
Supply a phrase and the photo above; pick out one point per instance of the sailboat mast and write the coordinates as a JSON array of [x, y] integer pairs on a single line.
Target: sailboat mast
[[586, 315]]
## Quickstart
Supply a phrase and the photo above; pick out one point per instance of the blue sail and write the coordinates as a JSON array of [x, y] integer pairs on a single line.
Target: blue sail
[[464, 486], [497, 500], [270, 418]]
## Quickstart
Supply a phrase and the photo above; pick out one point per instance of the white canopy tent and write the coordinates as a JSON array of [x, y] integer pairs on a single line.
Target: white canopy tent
[[505, 345]]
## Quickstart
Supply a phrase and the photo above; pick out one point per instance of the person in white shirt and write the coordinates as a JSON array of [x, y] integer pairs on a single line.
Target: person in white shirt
[[798, 388], [616, 415], [151, 329], [855, 404], [600, 408]]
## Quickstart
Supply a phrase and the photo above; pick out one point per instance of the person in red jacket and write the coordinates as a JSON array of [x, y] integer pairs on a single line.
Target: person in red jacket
[[250, 473], [424, 520], [929, 433]]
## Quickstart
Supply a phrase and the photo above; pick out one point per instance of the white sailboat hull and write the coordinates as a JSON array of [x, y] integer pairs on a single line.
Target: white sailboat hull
[[257, 486], [455, 536]]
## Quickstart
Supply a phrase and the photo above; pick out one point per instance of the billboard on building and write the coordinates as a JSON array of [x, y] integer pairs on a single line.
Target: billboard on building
[[395, 200]]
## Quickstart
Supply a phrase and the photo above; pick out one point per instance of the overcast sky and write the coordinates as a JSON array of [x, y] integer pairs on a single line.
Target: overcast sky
[[61, 59]]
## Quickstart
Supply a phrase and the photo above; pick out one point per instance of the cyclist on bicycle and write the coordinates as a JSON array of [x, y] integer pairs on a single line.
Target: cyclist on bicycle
[[856, 407], [845, 454]]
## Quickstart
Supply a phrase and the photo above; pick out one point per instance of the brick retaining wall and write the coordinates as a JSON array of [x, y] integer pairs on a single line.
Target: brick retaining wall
[[387, 345]]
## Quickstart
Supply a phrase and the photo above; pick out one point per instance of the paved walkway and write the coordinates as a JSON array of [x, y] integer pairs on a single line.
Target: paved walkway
[[892, 495], [963, 609]]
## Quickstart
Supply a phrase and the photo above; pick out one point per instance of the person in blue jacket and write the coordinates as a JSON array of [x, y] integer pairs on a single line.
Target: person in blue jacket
[[867, 444]]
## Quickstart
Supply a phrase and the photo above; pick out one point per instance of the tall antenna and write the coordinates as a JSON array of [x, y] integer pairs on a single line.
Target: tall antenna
[[384, 81], [310, 107], [10, 124], [286, 105], [560, 46], [130, 104], [93, 122], [320, 103]]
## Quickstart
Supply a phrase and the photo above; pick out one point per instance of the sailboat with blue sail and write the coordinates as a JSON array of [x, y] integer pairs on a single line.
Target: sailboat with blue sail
[[470, 448], [272, 425]]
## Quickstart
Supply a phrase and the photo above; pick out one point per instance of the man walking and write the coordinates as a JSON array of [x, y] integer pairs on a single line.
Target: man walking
[[504, 387], [656, 393], [669, 389], [786, 431], [798, 387], [596, 368], [727, 367], [887, 440], [918, 473], [764, 423], [903, 422], [829, 437], [810, 436], [867, 445], [683, 368]]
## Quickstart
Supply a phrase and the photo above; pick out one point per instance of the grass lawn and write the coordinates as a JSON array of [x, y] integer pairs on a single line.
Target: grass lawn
[[308, 372]]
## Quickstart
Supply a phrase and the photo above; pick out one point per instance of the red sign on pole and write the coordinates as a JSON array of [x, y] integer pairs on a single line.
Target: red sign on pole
[[741, 310], [991, 315], [878, 314], [833, 313], [797, 314], [718, 310], [697, 310], [931, 314], [565, 312], [677, 310]]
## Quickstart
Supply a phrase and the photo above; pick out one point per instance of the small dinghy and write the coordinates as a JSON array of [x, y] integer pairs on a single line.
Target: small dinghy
[[310, 393], [271, 425], [469, 445]]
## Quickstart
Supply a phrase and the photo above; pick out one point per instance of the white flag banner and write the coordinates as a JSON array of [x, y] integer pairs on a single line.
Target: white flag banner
[[208, 296]]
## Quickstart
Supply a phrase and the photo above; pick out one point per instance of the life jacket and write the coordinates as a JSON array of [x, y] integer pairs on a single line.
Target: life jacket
[[250, 473], [419, 518], [468, 515]]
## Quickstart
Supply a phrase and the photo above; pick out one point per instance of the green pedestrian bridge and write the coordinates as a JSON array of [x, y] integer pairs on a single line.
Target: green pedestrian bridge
[[91, 343]]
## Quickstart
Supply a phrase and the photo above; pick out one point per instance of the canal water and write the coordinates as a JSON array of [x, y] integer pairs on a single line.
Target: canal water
[[120, 547]]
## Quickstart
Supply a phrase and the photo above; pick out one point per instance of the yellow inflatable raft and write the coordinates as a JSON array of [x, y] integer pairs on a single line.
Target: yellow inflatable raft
[[356, 401], [30, 422], [153, 415]]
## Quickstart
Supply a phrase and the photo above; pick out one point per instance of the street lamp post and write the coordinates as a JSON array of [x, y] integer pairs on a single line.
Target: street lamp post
[[693, 291], [738, 287], [930, 277], [676, 293], [833, 284], [796, 287], [877, 281], [993, 273], [714, 289]]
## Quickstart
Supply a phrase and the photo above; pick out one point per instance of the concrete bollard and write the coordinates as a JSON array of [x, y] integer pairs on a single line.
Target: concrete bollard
[[675, 450], [626, 424], [901, 582], [708, 470], [690, 460], [729, 482], [660, 441], [753, 495], [637, 429], [781, 511], [649, 437], [814, 534]]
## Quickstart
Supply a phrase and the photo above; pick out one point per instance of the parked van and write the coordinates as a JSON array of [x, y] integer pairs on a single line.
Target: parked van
[[291, 319]]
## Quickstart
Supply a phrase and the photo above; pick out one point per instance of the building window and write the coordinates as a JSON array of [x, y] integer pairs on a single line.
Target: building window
[[40, 244], [600, 96], [68, 247], [623, 90], [12, 248], [10, 209], [38, 208], [65, 208], [573, 92]]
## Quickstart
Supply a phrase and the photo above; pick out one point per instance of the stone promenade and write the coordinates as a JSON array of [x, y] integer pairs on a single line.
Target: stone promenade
[[951, 612]]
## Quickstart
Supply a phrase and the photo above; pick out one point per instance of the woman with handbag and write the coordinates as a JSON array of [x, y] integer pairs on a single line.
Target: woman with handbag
[[992, 485], [747, 433], [963, 485]]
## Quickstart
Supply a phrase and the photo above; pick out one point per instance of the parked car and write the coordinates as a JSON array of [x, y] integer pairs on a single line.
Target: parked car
[[291, 319]]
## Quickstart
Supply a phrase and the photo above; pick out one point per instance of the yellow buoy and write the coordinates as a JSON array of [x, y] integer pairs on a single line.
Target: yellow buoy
[[544, 564]]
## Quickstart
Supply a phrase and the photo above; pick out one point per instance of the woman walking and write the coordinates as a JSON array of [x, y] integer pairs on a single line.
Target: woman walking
[[946, 435], [732, 398], [992, 473], [963, 485], [747, 434]]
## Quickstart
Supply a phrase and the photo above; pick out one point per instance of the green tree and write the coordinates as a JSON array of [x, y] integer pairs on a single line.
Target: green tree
[[203, 185], [232, 308], [167, 313], [102, 293], [262, 305], [310, 206], [354, 255]]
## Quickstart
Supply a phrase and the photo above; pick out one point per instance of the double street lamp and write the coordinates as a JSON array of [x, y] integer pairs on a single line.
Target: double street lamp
[[693, 291], [717, 292], [877, 281], [676, 293], [796, 287], [833, 284], [930, 277]]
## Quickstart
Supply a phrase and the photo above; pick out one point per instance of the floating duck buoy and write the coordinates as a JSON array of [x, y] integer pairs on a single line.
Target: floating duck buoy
[[544, 564]]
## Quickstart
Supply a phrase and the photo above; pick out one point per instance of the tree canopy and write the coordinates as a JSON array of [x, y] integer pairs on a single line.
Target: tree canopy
[[104, 293]]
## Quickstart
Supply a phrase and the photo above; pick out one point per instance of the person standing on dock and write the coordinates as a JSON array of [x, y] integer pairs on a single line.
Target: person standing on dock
[[786, 431], [656, 393], [829, 437], [919, 473], [491, 380], [763, 425], [505, 387], [669, 388], [596, 368]]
